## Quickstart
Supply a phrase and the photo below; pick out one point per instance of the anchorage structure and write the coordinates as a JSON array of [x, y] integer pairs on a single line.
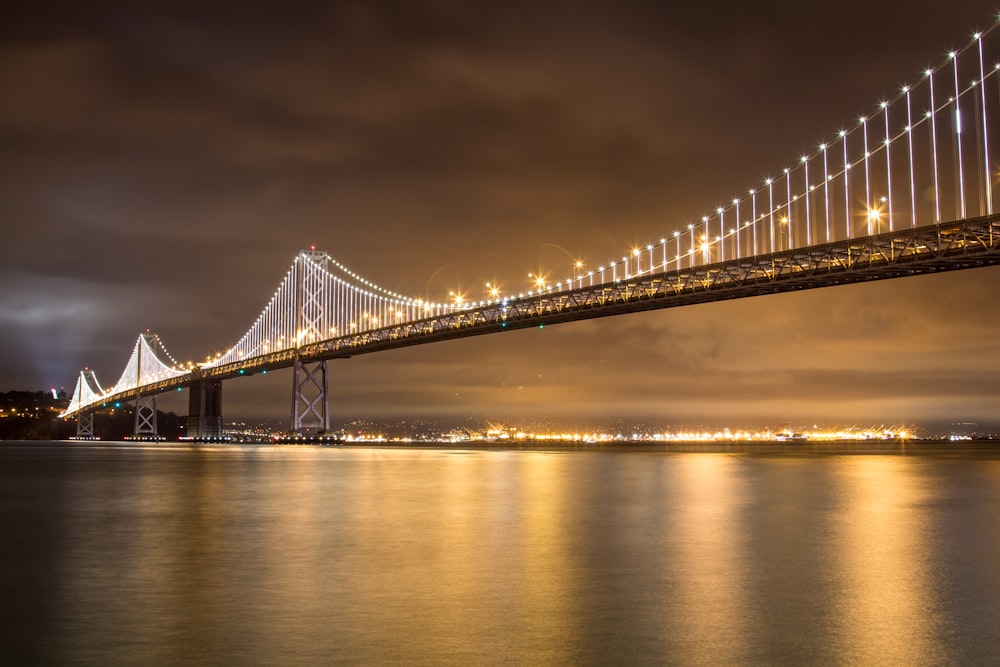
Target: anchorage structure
[[907, 190]]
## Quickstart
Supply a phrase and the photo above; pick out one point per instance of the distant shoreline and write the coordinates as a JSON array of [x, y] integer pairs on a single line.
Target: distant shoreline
[[893, 447]]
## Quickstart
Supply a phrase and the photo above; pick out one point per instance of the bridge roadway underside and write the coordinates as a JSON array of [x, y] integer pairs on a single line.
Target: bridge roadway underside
[[964, 244], [967, 244]]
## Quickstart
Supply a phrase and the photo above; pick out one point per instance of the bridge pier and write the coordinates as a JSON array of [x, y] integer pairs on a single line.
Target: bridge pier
[[85, 426], [145, 417], [309, 407], [204, 419]]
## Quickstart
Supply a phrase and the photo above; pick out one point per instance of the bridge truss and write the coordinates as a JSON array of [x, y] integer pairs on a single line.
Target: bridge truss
[[961, 245]]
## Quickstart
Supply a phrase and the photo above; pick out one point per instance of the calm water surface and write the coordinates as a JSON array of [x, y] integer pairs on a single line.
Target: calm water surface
[[118, 554]]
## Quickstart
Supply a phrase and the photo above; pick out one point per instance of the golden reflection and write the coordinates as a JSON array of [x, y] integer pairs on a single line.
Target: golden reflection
[[406, 556], [545, 504], [708, 545], [884, 565], [476, 552]]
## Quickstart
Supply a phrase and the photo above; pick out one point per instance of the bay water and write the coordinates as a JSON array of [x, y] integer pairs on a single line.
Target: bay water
[[170, 554]]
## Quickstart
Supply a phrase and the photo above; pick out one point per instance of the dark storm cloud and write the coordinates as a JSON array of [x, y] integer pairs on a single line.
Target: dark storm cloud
[[164, 161]]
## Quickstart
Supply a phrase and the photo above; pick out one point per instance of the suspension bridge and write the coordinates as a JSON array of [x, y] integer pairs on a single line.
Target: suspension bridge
[[906, 190]]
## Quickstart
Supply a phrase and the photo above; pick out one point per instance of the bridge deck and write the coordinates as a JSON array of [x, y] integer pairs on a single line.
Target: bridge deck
[[964, 244]]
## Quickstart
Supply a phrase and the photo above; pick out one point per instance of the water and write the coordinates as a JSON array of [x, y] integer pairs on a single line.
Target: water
[[164, 555]]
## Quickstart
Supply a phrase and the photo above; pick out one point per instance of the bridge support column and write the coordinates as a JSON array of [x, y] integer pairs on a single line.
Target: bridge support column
[[205, 410], [309, 405], [85, 426], [145, 417]]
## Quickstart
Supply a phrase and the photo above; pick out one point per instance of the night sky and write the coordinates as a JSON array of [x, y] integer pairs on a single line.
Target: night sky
[[162, 166]]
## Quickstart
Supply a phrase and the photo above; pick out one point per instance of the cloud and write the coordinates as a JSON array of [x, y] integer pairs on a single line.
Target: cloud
[[164, 162], [58, 326]]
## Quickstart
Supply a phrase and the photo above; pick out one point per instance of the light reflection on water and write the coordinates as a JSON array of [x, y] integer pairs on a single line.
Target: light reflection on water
[[885, 565], [261, 555]]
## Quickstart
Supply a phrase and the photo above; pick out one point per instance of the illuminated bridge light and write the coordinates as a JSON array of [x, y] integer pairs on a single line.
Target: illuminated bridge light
[[318, 298]]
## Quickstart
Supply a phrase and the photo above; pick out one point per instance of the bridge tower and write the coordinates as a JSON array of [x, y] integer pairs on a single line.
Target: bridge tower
[[145, 406], [145, 417], [204, 420], [310, 415], [85, 426], [87, 387]]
